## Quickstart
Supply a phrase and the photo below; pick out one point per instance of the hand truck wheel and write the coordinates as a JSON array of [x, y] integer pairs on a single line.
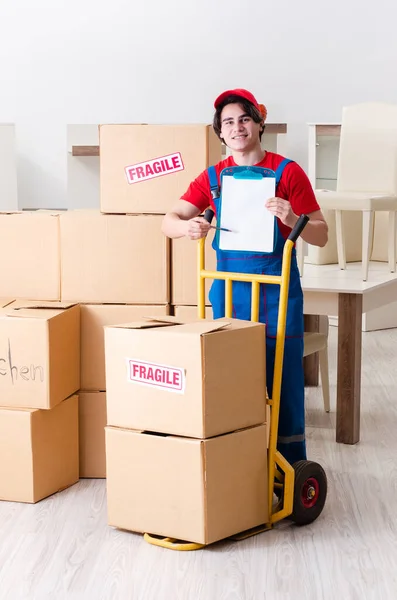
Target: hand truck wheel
[[310, 492]]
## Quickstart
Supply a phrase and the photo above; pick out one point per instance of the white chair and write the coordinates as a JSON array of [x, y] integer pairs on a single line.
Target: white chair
[[367, 176], [300, 254], [318, 342]]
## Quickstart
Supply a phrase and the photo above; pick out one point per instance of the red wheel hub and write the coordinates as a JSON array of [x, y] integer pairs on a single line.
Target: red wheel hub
[[310, 492]]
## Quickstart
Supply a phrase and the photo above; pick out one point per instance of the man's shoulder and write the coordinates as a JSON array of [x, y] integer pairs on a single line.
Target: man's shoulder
[[292, 169], [223, 164], [272, 160]]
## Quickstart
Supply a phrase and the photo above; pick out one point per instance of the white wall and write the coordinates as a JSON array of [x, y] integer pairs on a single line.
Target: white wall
[[92, 61]]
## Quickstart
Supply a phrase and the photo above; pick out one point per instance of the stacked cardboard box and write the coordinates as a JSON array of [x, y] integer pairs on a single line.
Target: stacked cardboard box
[[146, 169], [29, 243], [40, 373], [117, 268], [186, 437], [184, 276], [116, 262]]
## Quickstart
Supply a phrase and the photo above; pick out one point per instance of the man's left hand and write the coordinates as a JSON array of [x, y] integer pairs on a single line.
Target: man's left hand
[[282, 209]]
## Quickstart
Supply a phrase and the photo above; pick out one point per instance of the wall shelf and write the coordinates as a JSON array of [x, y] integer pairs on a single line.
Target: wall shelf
[[275, 128], [326, 129], [271, 129], [85, 150]]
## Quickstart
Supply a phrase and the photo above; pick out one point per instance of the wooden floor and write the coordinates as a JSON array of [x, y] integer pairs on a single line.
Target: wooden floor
[[63, 548]]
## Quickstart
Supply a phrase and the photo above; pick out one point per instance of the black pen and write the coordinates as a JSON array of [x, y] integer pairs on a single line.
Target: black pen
[[218, 228], [221, 228]]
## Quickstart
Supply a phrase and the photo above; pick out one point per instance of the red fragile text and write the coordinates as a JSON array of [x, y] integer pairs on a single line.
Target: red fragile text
[[156, 167], [162, 376]]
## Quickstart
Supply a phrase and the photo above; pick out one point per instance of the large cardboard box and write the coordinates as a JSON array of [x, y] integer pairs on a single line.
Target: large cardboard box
[[92, 422], [39, 353], [195, 490], [189, 313], [184, 269], [147, 168], [29, 243], [93, 319], [114, 258], [39, 451], [199, 379]]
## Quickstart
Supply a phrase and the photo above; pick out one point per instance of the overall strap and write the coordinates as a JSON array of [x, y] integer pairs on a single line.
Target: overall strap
[[214, 184], [280, 169]]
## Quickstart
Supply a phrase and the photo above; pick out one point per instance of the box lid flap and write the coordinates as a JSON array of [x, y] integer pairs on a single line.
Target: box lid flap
[[166, 319], [138, 325], [5, 301], [202, 327], [25, 308]]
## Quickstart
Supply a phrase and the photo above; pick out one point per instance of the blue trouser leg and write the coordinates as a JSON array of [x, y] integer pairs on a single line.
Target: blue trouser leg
[[291, 431]]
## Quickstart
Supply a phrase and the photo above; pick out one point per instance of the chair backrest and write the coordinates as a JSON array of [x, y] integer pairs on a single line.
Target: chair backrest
[[368, 149]]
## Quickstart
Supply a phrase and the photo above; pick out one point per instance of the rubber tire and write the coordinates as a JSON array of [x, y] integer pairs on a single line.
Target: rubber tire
[[304, 469]]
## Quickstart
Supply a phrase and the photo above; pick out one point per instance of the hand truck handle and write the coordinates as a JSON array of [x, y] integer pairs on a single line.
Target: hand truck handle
[[209, 215], [299, 227]]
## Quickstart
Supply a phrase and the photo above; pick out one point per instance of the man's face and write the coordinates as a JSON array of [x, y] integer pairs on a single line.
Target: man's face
[[239, 130]]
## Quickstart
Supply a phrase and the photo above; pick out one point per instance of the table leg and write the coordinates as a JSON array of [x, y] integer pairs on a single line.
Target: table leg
[[310, 363], [349, 368]]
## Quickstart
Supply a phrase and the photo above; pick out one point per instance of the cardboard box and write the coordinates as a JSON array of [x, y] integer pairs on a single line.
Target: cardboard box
[[39, 353], [184, 269], [199, 379], [93, 319], [195, 490], [39, 451], [114, 258], [147, 168], [29, 243], [92, 423], [188, 314]]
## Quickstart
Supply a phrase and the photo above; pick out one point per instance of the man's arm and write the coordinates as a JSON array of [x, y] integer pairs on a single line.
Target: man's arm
[[183, 220], [315, 232], [302, 199]]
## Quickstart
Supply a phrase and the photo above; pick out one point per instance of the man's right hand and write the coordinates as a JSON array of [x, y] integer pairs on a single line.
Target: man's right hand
[[184, 221], [197, 228]]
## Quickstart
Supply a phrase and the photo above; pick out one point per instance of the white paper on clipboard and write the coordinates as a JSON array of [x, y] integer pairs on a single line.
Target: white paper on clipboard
[[243, 211]]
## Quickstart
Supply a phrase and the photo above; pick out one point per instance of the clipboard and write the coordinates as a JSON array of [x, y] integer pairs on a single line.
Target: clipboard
[[242, 210]]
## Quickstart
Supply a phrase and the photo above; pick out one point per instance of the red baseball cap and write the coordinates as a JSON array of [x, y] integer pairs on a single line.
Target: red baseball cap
[[238, 92]]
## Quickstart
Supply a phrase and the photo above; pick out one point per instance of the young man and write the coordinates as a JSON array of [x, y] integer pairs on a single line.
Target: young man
[[239, 121]]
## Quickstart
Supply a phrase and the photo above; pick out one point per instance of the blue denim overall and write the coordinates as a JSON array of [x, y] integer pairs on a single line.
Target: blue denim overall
[[291, 432]]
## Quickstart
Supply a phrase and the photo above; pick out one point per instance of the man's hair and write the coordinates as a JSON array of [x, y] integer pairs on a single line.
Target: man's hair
[[247, 107]]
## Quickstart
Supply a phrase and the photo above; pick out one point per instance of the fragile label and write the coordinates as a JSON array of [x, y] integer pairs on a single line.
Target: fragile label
[[165, 165], [155, 375]]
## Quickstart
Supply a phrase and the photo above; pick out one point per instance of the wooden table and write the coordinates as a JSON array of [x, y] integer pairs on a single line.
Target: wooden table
[[333, 292]]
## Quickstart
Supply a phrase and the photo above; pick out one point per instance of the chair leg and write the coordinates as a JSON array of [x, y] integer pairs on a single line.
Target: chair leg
[[324, 372], [300, 251], [340, 240], [392, 241], [368, 234]]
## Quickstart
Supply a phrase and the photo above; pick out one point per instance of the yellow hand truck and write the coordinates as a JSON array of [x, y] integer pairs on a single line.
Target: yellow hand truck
[[301, 489]]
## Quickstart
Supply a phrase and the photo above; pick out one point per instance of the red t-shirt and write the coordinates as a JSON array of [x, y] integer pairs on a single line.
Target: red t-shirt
[[294, 186]]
